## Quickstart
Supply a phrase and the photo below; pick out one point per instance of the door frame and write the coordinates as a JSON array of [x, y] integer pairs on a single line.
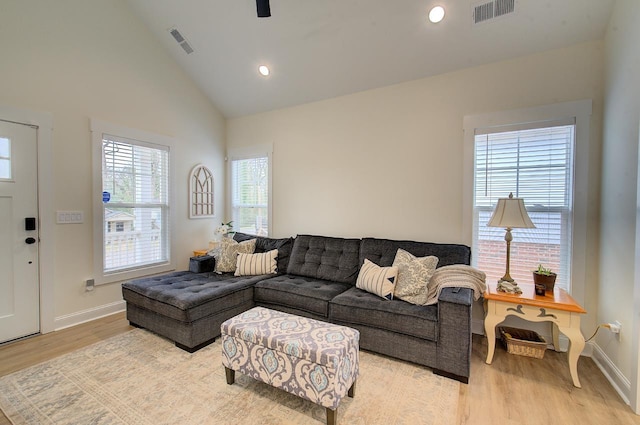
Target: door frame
[[44, 123], [634, 397]]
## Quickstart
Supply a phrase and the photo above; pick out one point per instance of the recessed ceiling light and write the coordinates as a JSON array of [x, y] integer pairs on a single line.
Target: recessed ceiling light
[[436, 14], [263, 70]]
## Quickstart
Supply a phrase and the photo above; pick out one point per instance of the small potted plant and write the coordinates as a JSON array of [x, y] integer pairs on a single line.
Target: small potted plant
[[544, 276]]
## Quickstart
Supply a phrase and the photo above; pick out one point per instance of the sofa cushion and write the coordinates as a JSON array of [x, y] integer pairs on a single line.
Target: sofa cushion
[[358, 307], [226, 253], [377, 280], [187, 296], [414, 274], [256, 264], [283, 246], [383, 251], [325, 258], [298, 292]]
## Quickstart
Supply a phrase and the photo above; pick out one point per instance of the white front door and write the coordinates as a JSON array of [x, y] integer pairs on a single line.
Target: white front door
[[19, 224]]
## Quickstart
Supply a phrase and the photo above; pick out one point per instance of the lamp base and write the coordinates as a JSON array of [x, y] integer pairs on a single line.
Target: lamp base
[[508, 286]]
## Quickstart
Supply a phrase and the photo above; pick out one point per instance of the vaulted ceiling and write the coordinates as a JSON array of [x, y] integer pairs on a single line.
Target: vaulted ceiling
[[318, 49]]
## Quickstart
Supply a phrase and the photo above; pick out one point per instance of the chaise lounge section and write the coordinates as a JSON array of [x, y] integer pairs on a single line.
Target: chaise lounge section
[[188, 307]]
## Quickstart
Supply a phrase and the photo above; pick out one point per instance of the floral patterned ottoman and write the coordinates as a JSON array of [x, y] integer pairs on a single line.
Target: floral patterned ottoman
[[309, 358]]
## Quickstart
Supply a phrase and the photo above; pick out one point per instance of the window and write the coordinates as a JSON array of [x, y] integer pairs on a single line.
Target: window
[[535, 164], [251, 191], [5, 158], [540, 154], [132, 227]]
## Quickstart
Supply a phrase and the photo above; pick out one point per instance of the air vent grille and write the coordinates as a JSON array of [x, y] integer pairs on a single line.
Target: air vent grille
[[493, 9], [483, 12], [176, 34], [504, 7], [181, 40]]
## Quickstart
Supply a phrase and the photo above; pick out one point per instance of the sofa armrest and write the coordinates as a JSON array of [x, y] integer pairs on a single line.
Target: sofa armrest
[[456, 295], [453, 352]]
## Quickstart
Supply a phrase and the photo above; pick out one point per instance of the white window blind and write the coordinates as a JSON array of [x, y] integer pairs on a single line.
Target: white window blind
[[135, 180], [535, 164], [250, 195]]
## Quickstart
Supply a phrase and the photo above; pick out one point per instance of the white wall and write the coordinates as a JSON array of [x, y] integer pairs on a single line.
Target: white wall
[[619, 185], [389, 162], [93, 59]]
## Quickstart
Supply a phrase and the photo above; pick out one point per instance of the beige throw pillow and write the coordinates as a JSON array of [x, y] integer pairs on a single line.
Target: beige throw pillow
[[226, 253], [377, 280], [414, 274], [256, 264]]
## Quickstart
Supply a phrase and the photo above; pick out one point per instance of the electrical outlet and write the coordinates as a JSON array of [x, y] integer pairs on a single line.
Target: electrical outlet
[[90, 284], [615, 327]]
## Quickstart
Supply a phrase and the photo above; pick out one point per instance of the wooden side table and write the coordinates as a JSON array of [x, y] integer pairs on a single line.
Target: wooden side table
[[200, 252], [559, 308]]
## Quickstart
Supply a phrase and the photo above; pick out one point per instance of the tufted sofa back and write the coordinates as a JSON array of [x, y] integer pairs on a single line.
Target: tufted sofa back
[[267, 244], [326, 258], [383, 251]]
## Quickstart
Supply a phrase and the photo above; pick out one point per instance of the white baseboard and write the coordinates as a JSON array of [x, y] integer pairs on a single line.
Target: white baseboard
[[84, 316], [619, 382]]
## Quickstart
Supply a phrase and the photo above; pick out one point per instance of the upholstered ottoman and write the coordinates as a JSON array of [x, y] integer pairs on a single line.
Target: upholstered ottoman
[[306, 357]]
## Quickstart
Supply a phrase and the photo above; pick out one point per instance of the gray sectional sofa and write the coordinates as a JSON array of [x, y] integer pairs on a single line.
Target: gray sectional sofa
[[316, 278]]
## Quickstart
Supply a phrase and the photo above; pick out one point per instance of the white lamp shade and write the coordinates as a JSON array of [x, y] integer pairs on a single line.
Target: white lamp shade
[[511, 213]]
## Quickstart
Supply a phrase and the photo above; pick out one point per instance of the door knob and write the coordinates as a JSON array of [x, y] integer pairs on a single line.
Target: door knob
[[30, 241]]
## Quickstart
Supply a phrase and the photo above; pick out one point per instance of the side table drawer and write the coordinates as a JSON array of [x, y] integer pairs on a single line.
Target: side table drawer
[[533, 314]]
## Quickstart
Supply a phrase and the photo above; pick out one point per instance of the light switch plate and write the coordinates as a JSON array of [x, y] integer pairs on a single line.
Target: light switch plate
[[69, 217]]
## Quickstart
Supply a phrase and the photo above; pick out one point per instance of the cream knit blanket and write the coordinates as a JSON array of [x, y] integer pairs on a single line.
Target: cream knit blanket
[[456, 275]]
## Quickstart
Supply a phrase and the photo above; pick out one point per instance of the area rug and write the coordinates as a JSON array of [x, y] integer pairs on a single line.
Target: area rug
[[140, 378]]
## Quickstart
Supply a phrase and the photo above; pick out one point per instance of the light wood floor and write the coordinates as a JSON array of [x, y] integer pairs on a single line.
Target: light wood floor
[[512, 390]]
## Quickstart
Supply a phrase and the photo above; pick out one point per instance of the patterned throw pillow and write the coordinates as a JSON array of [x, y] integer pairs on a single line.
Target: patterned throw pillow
[[414, 274], [256, 264], [377, 280], [227, 251]]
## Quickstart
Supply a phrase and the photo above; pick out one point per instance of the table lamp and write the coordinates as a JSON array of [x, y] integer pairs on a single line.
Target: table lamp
[[510, 213]]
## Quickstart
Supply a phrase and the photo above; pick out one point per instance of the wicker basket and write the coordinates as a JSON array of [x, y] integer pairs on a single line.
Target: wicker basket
[[523, 342]]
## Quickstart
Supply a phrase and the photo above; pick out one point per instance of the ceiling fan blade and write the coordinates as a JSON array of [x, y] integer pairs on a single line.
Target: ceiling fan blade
[[264, 11]]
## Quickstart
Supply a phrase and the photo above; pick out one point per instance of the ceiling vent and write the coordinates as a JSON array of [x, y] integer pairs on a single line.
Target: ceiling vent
[[486, 11], [181, 40]]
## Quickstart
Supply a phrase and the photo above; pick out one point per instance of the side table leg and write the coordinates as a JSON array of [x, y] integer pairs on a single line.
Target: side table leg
[[490, 322], [576, 344]]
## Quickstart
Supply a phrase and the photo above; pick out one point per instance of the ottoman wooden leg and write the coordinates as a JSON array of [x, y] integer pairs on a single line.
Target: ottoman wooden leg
[[352, 390], [332, 416], [231, 375]]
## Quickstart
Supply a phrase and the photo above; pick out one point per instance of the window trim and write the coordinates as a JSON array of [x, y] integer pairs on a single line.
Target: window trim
[[98, 129], [249, 152], [9, 159], [579, 110]]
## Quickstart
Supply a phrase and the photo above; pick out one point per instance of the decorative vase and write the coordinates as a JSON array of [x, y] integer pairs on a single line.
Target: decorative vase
[[548, 281]]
